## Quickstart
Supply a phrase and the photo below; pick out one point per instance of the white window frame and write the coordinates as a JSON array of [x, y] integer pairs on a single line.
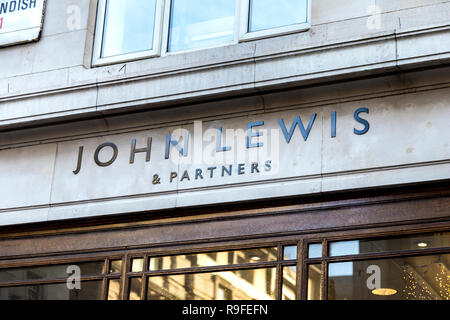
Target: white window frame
[[162, 25], [97, 60], [246, 35]]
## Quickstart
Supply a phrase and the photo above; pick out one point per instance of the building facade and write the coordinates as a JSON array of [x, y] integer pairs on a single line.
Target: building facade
[[233, 149]]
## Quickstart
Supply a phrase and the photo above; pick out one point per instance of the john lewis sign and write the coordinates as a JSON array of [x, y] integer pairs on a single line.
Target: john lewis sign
[[20, 21], [177, 159]]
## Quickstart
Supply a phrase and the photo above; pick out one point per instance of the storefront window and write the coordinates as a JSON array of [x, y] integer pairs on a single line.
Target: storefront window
[[135, 288], [290, 252], [50, 271], [410, 267], [115, 266], [137, 265], [53, 282], [314, 281], [113, 289], [215, 259], [245, 274], [289, 283], [253, 284], [315, 250], [383, 268], [407, 278], [413, 242], [89, 290]]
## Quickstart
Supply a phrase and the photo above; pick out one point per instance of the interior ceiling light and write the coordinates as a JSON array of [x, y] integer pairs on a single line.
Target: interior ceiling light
[[384, 292], [255, 258], [422, 244]]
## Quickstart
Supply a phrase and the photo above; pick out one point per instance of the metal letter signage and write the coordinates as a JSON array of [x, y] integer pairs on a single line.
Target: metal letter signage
[[20, 21]]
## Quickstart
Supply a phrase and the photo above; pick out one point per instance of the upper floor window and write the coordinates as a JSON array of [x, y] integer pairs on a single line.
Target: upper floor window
[[200, 23], [129, 30]]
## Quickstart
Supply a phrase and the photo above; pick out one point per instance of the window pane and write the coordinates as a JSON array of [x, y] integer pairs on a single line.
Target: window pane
[[409, 278], [315, 250], [253, 284], [289, 283], [343, 248], [89, 290], [137, 265], [267, 14], [129, 26], [314, 288], [213, 259], [135, 288], [413, 242], [290, 253], [115, 266], [200, 23], [113, 289], [51, 272]]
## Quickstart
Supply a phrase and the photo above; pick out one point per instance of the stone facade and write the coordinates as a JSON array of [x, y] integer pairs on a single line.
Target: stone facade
[[389, 57]]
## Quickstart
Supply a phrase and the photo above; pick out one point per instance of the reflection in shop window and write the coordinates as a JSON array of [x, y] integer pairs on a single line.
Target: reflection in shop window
[[314, 287], [115, 266], [113, 289], [223, 293], [407, 278], [216, 259], [343, 248], [135, 288], [315, 250], [290, 253], [289, 283], [227, 285], [137, 265], [49, 271], [411, 242], [90, 290]]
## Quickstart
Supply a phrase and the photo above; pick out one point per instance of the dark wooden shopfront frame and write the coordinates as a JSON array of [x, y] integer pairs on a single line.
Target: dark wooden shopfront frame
[[364, 214]]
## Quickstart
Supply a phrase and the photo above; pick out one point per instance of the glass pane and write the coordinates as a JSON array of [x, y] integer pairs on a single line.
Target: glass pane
[[115, 266], [89, 290], [267, 14], [213, 259], [252, 284], [200, 23], [314, 288], [344, 248], [408, 278], [113, 289], [290, 253], [315, 250], [412, 242], [51, 272], [135, 288], [129, 27], [289, 283], [137, 265]]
